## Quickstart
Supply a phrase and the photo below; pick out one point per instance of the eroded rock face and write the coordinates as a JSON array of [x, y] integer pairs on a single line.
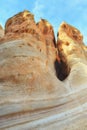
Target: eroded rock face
[[23, 25], [19, 23], [32, 65], [68, 31], [1, 32], [47, 30], [72, 52]]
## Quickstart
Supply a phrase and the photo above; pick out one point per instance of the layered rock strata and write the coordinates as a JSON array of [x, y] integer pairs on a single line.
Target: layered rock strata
[[42, 83]]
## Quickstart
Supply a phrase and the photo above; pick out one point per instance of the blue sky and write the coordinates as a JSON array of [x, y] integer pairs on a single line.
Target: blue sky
[[73, 12]]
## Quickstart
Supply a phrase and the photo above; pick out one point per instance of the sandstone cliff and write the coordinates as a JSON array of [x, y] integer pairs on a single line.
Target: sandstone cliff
[[1, 32], [42, 83]]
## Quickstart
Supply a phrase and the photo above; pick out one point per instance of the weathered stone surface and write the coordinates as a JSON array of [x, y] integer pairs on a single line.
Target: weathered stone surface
[[1, 32], [47, 31], [73, 53], [20, 23], [42, 85]]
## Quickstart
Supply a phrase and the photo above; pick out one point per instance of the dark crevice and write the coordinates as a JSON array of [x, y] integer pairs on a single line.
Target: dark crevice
[[54, 41], [61, 66], [62, 69]]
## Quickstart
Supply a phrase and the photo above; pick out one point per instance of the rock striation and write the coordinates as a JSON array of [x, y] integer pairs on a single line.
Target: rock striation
[[42, 83]]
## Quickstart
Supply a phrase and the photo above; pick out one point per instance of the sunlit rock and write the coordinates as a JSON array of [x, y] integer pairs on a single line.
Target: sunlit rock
[[43, 84]]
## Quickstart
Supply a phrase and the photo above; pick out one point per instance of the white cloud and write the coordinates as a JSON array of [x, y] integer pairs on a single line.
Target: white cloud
[[38, 10]]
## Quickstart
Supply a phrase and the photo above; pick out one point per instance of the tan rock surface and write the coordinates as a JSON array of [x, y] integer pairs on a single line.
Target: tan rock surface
[[73, 52], [1, 32], [31, 95]]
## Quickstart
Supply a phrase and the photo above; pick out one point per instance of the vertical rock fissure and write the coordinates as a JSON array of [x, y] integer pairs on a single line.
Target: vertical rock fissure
[[61, 68]]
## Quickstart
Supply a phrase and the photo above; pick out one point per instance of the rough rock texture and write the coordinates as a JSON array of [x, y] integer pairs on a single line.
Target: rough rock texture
[[1, 32], [42, 84], [73, 53]]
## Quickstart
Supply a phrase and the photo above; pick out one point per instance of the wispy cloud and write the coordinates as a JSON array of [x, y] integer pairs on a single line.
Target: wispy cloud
[[74, 12], [38, 9], [55, 11]]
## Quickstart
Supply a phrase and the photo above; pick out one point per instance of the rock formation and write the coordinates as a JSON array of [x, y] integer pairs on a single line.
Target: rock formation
[[72, 53], [1, 32], [42, 83]]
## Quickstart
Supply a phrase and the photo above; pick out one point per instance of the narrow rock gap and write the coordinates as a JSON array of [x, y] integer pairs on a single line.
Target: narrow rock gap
[[61, 70], [61, 67]]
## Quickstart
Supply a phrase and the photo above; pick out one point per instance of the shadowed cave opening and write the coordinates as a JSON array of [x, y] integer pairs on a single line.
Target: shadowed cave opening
[[62, 70]]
